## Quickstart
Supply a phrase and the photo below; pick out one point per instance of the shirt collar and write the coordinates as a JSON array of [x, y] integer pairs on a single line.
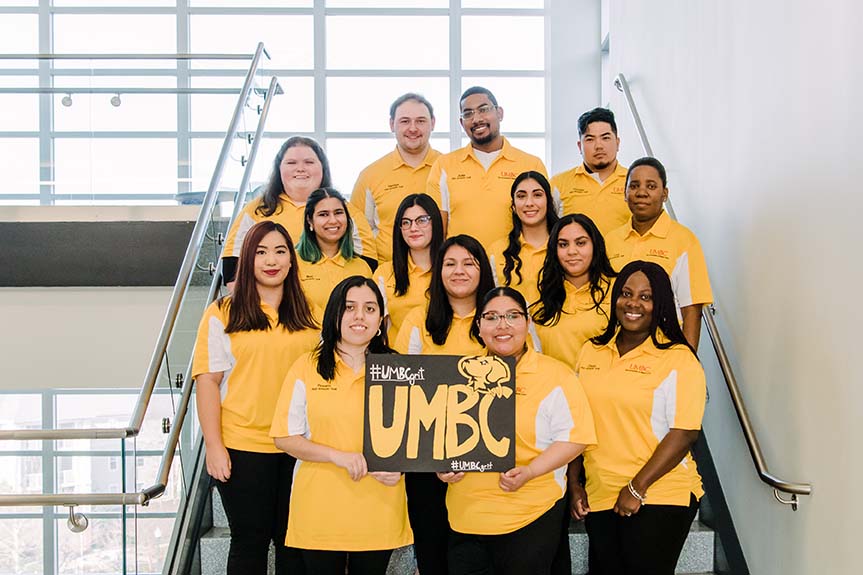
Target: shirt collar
[[398, 161], [659, 229], [646, 347], [505, 151]]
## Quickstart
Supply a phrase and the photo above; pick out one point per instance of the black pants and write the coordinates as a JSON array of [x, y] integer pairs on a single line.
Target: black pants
[[429, 521], [562, 564], [647, 543], [357, 562], [530, 549], [256, 500]]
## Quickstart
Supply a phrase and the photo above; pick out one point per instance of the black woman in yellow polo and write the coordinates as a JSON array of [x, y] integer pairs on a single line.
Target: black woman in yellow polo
[[509, 523], [574, 287], [246, 344], [341, 515], [518, 258], [647, 391]]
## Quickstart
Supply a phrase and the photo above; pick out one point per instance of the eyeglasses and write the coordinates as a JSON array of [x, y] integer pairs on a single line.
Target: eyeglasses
[[483, 110], [509, 317], [421, 221]]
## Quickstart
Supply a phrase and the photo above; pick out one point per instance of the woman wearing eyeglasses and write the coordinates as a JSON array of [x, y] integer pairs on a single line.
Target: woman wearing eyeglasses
[[517, 259], [417, 236], [508, 523]]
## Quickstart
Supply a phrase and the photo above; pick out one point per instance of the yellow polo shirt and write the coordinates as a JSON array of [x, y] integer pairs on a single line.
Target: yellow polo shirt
[[550, 406], [329, 511], [320, 278], [579, 321], [531, 263], [635, 400], [380, 189], [477, 200], [604, 203], [290, 215], [413, 339], [254, 364], [670, 245], [398, 307]]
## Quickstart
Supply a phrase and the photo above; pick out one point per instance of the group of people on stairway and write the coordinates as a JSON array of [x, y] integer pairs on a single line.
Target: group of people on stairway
[[584, 280]]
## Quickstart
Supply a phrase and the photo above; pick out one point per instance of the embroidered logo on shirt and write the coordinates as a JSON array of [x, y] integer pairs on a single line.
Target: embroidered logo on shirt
[[520, 391], [589, 367], [508, 175], [461, 177], [617, 190], [653, 252], [639, 368], [580, 192], [324, 386]]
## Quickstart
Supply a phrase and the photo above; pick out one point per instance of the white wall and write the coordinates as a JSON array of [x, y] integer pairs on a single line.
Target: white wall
[[78, 337], [755, 109]]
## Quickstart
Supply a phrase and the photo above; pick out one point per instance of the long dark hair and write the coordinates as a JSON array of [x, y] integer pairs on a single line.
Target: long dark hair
[[331, 326], [274, 187], [512, 260], [245, 313], [439, 316], [664, 309], [551, 281], [401, 251], [308, 246], [500, 291]]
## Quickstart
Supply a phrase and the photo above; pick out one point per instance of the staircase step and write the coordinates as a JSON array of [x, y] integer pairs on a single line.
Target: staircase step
[[696, 558]]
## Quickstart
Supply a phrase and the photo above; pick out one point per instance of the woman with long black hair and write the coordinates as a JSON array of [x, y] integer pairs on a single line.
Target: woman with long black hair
[[246, 343], [647, 391], [342, 516]]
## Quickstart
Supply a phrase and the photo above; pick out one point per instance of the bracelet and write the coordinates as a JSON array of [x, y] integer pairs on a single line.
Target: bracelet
[[641, 498]]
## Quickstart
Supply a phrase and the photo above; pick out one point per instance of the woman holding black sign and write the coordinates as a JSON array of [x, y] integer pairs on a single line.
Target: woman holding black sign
[[509, 523], [341, 515], [460, 275]]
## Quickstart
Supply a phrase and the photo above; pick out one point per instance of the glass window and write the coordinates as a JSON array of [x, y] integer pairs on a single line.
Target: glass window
[[388, 42], [525, 49], [387, 3], [22, 109], [147, 543], [97, 550], [20, 474], [205, 154], [523, 101], [19, 34], [80, 411], [292, 111], [144, 3], [115, 166], [363, 104], [115, 33], [126, 113], [503, 4], [288, 39], [21, 548], [20, 412], [19, 164], [253, 3]]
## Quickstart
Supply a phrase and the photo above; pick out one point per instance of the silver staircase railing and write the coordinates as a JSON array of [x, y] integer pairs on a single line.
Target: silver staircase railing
[[77, 521], [778, 484]]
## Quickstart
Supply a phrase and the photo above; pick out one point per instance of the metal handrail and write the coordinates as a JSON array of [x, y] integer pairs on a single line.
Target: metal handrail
[[158, 487], [131, 56], [186, 269], [764, 474]]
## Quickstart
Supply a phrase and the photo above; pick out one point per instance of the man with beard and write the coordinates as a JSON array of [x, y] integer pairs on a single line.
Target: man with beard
[[383, 184], [595, 187], [473, 183]]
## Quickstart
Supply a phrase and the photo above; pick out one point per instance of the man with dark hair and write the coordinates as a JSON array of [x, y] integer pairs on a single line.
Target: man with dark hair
[[384, 183], [473, 183], [595, 187]]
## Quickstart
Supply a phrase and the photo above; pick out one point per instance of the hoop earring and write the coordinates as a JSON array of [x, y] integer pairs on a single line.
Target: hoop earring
[[379, 332]]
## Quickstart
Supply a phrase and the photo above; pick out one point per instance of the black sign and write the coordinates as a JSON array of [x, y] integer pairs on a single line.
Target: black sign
[[439, 413]]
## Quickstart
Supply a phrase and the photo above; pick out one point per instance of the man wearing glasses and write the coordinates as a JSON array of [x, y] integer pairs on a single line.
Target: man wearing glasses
[[383, 184], [473, 183]]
